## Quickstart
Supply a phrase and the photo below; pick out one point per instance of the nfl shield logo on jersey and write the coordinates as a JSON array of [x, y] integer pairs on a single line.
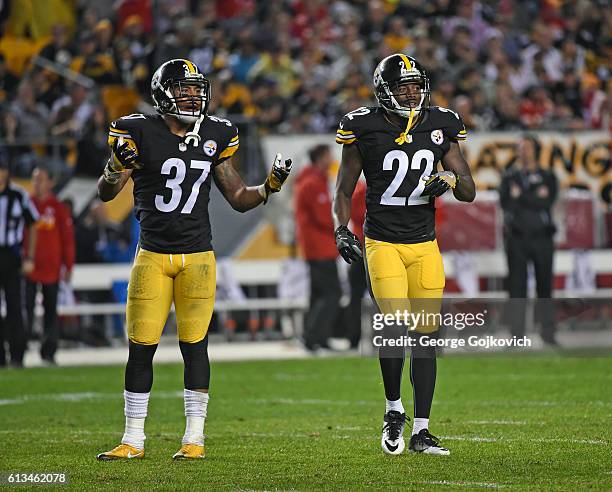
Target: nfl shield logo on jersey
[[437, 137], [210, 147]]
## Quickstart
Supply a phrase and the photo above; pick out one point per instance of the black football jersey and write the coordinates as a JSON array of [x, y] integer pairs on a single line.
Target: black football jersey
[[171, 191], [397, 212]]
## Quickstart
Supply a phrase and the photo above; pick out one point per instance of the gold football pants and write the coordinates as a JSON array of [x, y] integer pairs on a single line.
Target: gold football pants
[[159, 279], [406, 277]]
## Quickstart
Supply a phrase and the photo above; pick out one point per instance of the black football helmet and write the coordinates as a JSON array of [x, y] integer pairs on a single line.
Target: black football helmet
[[168, 90], [397, 70]]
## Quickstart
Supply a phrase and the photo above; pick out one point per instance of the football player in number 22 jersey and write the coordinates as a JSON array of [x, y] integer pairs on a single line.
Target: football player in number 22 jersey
[[172, 158], [398, 146]]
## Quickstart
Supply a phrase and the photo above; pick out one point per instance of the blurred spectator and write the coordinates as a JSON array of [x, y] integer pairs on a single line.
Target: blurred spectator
[[92, 148], [506, 114], [246, 56], [270, 105], [537, 109], [26, 119], [70, 113], [178, 43], [567, 91], [53, 259], [134, 33], [372, 31], [314, 231], [93, 233], [396, 37], [58, 50], [601, 107], [8, 82], [103, 34], [541, 56], [471, 120], [93, 63], [133, 71], [276, 65], [13, 261], [527, 194]]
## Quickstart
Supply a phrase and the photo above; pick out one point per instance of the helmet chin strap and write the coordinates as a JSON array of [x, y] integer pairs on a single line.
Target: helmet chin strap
[[404, 136], [194, 135]]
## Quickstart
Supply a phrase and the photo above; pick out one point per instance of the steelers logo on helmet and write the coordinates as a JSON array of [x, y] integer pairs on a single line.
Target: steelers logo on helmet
[[391, 76], [179, 89]]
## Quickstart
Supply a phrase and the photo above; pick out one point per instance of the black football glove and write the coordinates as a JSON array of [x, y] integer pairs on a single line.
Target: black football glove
[[277, 177], [439, 183], [348, 244], [125, 156]]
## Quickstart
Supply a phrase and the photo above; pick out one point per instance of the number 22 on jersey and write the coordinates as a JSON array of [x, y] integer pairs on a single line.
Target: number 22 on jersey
[[399, 156], [175, 184]]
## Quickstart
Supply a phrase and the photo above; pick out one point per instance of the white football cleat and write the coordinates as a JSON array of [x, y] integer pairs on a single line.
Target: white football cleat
[[392, 441]]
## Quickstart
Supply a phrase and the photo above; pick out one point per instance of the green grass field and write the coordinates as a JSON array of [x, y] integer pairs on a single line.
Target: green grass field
[[520, 422]]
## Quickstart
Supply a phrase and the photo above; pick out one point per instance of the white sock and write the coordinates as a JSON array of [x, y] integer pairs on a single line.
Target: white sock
[[135, 414], [419, 425], [395, 405], [196, 405]]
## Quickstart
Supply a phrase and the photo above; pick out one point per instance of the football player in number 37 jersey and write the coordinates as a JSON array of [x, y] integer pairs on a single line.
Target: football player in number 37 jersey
[[172, 158], [398, 146]]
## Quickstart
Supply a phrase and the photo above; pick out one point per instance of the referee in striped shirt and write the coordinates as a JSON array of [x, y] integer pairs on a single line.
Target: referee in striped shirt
[[16, 212]]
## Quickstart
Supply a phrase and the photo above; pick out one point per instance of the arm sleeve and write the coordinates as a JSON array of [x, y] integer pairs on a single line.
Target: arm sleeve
[[230, 145], [67, 235]]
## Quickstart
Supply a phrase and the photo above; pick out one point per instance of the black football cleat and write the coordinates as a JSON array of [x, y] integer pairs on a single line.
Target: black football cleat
[[424, 442]]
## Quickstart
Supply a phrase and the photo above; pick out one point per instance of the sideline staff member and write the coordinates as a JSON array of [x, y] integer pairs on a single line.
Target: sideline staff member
[[527, 194], [15, 210], [315, 235]]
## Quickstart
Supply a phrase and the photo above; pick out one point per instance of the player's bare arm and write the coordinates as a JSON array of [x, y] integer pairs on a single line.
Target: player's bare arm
[[350, 168], [348, 175], [242, 197], [453, 160]]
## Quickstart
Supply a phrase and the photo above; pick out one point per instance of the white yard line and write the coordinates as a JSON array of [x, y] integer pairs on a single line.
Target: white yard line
[[496, 422], [457, 483], [82, 396], [540, 440]]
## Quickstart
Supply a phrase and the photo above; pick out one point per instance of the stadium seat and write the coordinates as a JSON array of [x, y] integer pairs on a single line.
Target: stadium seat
[[119, 100], [17, 53]]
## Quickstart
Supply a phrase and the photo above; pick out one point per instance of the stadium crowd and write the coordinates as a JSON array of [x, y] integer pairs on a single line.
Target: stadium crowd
[[296, 66]]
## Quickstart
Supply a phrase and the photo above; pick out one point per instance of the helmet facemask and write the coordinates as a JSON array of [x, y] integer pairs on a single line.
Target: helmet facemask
[[396, 93], [174, 94], [389, 93]]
